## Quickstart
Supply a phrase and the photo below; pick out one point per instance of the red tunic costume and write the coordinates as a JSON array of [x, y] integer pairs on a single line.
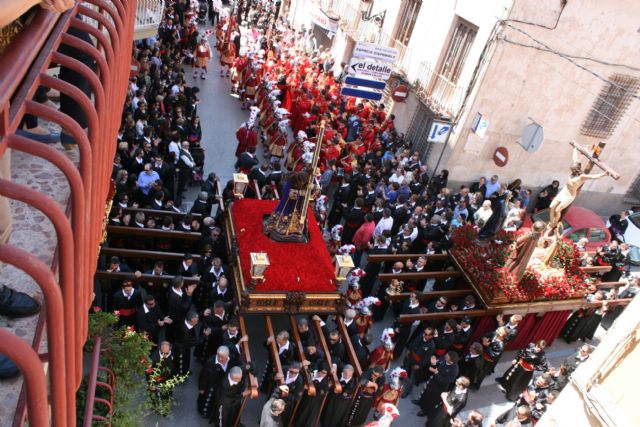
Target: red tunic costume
[[277, 144], [381, 357], [246, 138]]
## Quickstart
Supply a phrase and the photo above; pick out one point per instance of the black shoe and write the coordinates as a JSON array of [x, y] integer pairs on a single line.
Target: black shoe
[[421, 414], [17, 304], [415, 401], [8, 369]]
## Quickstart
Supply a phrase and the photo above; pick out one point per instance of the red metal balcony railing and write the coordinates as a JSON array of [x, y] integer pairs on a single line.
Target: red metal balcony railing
[[67, 285]]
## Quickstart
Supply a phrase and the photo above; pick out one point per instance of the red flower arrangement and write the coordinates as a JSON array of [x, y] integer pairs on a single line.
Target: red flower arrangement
[[484, 263]]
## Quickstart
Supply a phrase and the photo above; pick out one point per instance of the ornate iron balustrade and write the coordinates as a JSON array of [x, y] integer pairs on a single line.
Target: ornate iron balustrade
[[67, 284]]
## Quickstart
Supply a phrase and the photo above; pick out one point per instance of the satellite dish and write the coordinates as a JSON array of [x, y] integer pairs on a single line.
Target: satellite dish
[[532, 137]]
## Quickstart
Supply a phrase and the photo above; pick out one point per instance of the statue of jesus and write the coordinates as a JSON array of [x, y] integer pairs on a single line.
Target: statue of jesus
[[568, 193]]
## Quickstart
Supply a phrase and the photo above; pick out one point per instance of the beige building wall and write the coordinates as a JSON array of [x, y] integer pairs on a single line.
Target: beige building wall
[[523, 84], [603, 391]]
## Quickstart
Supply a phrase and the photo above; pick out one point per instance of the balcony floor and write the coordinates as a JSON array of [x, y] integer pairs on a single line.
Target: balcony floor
[[33, 232]]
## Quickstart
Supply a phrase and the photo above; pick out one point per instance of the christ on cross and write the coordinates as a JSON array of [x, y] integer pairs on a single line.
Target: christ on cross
[[568, 193]]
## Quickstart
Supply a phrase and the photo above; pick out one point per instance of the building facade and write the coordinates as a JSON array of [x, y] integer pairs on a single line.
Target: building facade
[[560, 68]]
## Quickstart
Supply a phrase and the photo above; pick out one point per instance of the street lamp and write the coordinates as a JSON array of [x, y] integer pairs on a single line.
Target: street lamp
[[377, 19]]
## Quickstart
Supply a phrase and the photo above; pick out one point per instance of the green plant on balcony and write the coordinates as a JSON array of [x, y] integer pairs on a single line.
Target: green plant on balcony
[[126, 353], [161, 385]]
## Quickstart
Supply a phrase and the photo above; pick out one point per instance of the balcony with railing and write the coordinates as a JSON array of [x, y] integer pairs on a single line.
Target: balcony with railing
[[57, 197], [437, 92], [148, 16]]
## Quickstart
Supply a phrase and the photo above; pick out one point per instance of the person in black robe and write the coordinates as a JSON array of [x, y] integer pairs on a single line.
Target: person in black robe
[[211, 376], [340, 200], [337, 408], [371, 383], [294, 381], [229, 396], [529, 359], [216, 320], [162, 360], [231, 339], [309, 407], [286, 353], [185, 340], [575, 360], [382, 293], [307, 336], [179, 303], [445, 339], [126, 302], [462, 335], [498, 199], [403, 330], [536, 392], [583, 323], [493, 347], [360, 347], [150, 319], [445, 374], [471, 365], [450, 404], [420, 350], [353, 218], [372, 269]]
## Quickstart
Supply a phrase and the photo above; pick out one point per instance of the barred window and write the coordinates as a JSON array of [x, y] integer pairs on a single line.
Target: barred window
[[407, 21], [610, 106], [458, 49]]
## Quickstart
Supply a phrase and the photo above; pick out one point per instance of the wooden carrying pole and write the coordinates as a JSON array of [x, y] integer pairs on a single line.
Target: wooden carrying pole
[[253, 382], [314, 164], [304, 371]]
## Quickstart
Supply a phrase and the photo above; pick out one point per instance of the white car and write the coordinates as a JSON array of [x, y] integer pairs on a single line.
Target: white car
[[632, 233], [632, 237]]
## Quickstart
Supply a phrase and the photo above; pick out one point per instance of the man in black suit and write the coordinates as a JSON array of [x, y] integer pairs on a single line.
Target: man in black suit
[[286, 352], [259, 174], [372, 269], [201, 205], [150, 318], [185, 340], [179, 304], [214, 371], [354, 218], [126, 302], [163, 169], [471, 365], [229, 398], [247, 160]]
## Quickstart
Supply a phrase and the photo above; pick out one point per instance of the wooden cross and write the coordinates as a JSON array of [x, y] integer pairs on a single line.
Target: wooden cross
[[593, 157]]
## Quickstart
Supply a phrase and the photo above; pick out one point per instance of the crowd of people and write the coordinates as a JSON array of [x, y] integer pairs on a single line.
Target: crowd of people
[[375, 197]]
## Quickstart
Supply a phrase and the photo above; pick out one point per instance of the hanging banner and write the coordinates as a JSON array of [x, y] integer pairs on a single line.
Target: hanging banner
[[322, 20]]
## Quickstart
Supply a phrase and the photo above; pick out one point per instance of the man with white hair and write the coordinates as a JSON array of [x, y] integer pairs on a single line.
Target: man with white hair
[[337, 408], [483, 214], [229, 396], [271, 413], [211, 378]]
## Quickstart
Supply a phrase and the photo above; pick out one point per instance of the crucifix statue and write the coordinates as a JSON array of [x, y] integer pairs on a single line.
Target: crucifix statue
[[579, 175]]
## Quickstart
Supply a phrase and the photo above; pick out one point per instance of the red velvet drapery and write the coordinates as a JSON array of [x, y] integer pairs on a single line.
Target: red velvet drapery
[[548, 328], [483, 325], [524, 334]]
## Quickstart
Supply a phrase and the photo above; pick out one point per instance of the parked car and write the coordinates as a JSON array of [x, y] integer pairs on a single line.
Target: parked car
[[632, 233], [578, 223]]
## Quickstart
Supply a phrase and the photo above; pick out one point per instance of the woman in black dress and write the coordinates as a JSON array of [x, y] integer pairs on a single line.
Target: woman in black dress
[[450, 404], [517, 377]]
